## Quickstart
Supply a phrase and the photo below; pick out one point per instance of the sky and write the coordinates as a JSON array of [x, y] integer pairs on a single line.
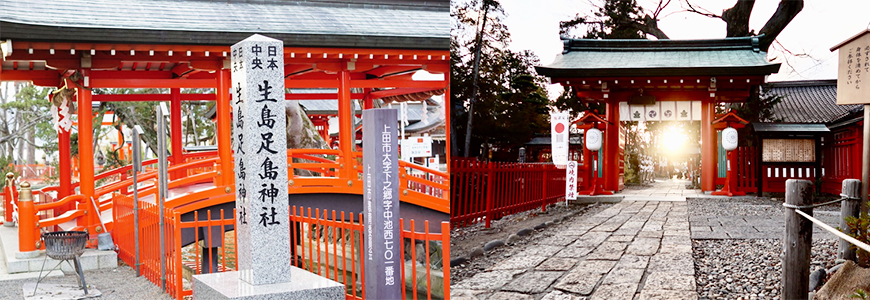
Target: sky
[[534, 25]]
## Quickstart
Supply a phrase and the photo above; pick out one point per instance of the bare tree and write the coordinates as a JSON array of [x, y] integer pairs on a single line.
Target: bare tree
[[736, 19]]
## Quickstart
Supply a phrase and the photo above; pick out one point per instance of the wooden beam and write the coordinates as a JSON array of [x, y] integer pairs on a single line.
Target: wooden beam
[[151, 97], [374, 83], [152, 83], [30, 75], [385, 71]]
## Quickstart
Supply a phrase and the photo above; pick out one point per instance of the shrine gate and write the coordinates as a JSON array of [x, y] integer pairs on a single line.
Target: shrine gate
[[660, 80]]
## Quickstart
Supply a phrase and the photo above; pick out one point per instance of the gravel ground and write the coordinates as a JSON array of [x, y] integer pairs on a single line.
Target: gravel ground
[[118, 283], [748, 269], [478, 264]]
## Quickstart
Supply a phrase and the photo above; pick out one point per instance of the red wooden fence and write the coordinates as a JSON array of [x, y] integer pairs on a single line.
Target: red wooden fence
[[483, 191], [330, 245], [840, 160], [746, 164]]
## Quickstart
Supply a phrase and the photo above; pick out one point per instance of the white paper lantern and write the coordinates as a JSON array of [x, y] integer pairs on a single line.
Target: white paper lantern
[[729, 139], [593, 139]]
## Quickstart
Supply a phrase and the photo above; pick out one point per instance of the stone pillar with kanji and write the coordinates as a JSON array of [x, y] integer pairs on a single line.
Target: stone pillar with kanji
[[262, 206]]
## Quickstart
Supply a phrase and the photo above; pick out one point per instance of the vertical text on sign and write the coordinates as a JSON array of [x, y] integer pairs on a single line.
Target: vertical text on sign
[[260, 144], [571, 180], [380, 154]]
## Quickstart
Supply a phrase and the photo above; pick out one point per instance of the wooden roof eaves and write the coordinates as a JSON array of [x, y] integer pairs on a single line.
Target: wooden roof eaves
[[17, 31], [659, 72]]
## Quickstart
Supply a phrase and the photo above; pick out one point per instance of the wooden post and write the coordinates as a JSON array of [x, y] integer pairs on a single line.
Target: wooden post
[[489, 190], [28, 227], [849, 207], [798, 239]]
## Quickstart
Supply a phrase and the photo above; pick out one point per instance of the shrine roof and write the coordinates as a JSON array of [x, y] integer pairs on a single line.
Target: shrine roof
[[641, 57], [809, 101], [418, 24], [789, 128]]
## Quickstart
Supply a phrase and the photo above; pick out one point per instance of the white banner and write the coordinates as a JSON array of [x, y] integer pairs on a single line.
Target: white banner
[[668, 110], [571, 181], [636, 114], [559, 138], [653, 113]]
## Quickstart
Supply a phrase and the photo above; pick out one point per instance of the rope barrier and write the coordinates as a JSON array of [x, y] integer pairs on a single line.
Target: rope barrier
[[836, 232], [792, 206]]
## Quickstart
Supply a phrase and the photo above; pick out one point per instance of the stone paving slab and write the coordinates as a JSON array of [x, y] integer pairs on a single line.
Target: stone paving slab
[[559, 295], [491, 280], [533, 282], [519, 262], [557, 264]]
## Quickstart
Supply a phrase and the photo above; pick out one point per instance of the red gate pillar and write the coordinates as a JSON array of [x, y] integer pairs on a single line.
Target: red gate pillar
[[226, 176], [175, 129], [346, 133], [611, 148], [708, 147], [86, 153]]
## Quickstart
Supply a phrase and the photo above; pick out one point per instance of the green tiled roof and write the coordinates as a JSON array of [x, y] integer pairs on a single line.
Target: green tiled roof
[[419, 24], [621, 58]]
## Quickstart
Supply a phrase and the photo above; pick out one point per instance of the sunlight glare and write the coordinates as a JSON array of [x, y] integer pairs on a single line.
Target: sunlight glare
[[672, 139]]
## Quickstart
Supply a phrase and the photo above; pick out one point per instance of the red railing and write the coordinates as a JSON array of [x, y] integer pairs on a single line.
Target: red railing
[[34, 172], [483, 191], [330, 245]]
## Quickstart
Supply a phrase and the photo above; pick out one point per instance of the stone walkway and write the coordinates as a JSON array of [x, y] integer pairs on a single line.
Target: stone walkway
[[661, 190], [632, 250]]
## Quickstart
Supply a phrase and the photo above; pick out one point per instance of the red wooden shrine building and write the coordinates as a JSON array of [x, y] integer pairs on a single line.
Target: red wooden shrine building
[[660, 80], [366, 51]]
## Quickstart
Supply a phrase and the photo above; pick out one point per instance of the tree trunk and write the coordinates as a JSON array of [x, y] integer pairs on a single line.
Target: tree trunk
[[31, 149], [301, 133], [786, 12], [737, 18]]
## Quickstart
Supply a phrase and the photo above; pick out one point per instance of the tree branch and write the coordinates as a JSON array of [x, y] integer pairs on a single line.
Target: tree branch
[[786, 12], [650, 26], [701, 11]]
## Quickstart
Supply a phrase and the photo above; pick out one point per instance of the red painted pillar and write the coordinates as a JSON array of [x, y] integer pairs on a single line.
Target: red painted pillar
[[611, 147], [447, 128], [175, 129], [345, 125], [226, 176], [708, 147], [86, 152], [368, 102]]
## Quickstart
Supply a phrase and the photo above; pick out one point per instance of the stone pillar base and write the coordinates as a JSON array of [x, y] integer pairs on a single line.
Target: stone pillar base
[[8, 224], [27, 254], [303, 285]]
